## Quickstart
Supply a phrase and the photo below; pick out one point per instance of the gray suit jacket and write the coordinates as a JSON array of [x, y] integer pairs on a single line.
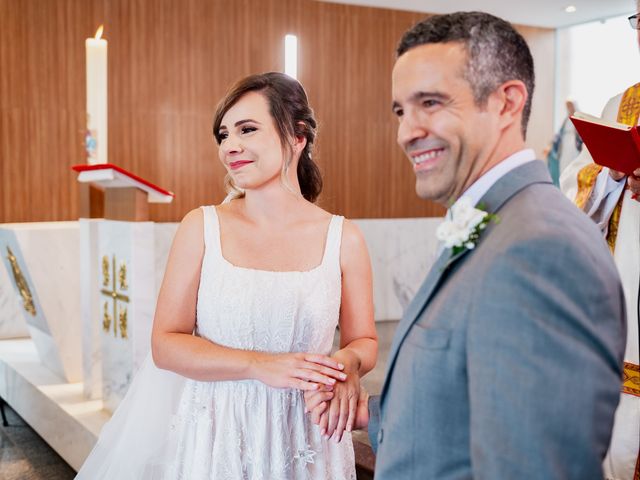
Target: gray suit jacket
[[507, 364]]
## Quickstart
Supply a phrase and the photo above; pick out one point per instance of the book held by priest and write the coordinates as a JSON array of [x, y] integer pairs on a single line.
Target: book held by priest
[[610, 144]]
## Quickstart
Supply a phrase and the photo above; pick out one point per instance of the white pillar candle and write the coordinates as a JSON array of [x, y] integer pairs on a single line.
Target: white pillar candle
[[96, 135]]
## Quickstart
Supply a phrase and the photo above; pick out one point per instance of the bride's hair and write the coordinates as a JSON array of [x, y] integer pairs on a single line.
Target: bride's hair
[[293, 118]]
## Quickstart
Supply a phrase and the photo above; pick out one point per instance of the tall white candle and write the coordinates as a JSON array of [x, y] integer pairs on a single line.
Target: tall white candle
[[96, 134]]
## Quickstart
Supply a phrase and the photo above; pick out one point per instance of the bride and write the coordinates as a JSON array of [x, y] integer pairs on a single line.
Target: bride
[[253, 291]]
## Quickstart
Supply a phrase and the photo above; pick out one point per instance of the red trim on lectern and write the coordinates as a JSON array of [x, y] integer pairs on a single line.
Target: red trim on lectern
[[109, 166]]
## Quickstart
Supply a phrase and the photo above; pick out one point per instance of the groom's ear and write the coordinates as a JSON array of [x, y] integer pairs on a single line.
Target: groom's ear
[[510, 99]]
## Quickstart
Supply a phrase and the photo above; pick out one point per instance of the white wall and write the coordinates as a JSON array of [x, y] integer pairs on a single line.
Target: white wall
[[595, 61]]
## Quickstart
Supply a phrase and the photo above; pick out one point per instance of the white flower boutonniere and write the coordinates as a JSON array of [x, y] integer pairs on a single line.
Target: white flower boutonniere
[[462, 231]]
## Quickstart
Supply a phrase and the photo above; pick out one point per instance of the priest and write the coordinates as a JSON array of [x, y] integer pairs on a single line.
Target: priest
[[611, 199]]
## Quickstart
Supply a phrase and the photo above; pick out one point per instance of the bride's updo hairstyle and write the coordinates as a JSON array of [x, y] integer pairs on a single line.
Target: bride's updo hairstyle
[[293, 118]]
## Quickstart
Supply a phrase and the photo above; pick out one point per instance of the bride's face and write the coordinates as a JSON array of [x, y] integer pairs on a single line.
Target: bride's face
[[250, 147]]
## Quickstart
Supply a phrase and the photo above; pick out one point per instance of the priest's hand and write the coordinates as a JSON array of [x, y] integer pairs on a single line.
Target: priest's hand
[[632, 180], [617, 176], [634, 183]]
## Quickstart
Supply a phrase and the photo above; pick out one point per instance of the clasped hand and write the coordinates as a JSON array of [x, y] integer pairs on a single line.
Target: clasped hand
[[331, 389], [304, 371], [333, 408]]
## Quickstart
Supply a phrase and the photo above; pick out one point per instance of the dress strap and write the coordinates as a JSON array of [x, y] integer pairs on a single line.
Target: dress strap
[[333, 241], [211, 230]]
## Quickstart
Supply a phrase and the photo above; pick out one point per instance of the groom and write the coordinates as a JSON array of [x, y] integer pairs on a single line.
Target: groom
[[507, 363]]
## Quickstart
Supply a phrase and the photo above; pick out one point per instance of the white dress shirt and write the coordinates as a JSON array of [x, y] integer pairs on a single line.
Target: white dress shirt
[[482, 185]]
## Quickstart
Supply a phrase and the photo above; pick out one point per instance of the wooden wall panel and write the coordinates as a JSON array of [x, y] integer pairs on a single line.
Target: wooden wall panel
[[169, 64], [349, 84], [42, 105]]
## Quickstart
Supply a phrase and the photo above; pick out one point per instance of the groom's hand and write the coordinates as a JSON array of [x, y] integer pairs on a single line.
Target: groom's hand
[[316, 403], [362, 411], [341, 412], [335, 408]]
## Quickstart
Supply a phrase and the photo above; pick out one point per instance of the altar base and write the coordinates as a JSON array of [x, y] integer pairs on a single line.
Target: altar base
[[55, 409]]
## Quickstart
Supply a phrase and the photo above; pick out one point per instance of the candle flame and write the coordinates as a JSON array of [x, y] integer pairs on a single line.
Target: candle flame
[[99, 32]]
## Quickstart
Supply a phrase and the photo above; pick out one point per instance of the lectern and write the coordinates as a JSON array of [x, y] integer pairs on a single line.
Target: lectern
[[126, 195]]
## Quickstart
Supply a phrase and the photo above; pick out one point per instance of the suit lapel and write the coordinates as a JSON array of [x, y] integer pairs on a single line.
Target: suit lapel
[[512, 183], [505, 188]]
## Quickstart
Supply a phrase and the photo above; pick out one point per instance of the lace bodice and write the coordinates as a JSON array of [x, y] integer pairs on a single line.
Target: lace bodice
[[266, 310]]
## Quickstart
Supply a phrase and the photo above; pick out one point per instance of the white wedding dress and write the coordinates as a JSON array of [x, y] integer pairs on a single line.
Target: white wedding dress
[[171, 427]]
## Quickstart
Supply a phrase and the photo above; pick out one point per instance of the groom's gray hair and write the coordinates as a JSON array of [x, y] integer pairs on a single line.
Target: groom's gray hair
[[496, 52]]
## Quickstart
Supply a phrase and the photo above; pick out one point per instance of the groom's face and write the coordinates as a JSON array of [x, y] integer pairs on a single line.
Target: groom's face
[[444, 133]]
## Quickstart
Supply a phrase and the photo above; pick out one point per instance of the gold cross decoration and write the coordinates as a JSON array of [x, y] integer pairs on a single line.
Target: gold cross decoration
[[118, 281], [21, 283]]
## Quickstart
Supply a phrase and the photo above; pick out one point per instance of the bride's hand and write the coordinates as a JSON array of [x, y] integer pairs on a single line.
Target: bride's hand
[[304, 371], [316, 402]]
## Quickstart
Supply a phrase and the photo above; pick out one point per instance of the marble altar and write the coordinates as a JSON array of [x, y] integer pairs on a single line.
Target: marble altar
[[43, 263], [127, 286], [402, 250]]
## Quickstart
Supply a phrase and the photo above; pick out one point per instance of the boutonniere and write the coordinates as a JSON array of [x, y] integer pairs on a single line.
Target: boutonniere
[[462, 230]]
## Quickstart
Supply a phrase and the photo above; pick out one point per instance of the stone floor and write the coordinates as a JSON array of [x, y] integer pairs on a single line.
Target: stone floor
[[25, 456]]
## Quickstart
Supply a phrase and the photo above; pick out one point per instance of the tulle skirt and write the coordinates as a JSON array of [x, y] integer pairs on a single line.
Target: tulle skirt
[[136, 443]]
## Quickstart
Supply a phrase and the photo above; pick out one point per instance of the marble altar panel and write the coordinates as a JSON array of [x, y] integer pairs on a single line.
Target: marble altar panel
[[164, 233], [42, 260], [127, 302], [402, 251], [143, 275], [90, 308]]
